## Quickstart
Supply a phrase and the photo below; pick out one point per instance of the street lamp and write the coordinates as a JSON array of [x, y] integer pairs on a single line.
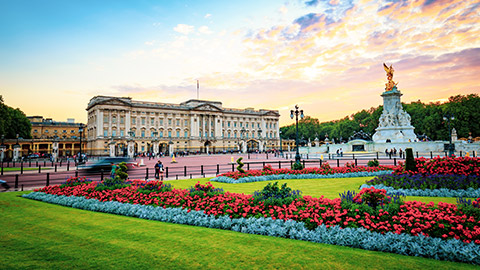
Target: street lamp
[[281, 145], [292, 114], [449, 118], [80, 130]]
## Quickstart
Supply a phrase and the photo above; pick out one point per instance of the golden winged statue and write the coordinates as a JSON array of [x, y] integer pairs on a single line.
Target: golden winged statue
[[390, 84]]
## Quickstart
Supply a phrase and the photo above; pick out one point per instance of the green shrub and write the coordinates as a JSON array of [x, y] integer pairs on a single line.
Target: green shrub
[[111, 184], [205, 190], [154, 186], [271, 195], [297, 166], [121, 171], [410, 163], [373, 163], [240, 165]]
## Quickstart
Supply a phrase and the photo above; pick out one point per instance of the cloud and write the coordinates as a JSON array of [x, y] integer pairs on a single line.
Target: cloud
[[207, 16], [283, 9], [204, 30], [184, 29]]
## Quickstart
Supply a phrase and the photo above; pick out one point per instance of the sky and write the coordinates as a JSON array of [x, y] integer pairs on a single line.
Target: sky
[[325, 56]]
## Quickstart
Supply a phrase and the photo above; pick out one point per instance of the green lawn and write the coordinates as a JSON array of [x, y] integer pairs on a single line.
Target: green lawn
[[13, 169], [37, 235], [328, 187]]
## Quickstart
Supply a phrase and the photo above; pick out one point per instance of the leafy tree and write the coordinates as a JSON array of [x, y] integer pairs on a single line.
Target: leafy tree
[[13, 122], [426, 118]]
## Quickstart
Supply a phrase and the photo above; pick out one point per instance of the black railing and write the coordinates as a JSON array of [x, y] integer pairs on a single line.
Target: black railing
[[48, 175]]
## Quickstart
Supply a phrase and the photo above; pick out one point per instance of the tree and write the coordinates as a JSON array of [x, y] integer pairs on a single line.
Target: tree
[[13, 122], [426, 118]]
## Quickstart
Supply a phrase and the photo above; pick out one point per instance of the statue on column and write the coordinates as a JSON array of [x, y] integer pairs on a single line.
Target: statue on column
[[390, 85]]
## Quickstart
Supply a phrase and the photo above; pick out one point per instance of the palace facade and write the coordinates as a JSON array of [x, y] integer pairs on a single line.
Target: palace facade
[[194, 126]]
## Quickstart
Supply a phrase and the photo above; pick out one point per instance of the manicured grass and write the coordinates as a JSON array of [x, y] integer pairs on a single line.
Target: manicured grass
[[13, 169], [37, 235], [328, 187]]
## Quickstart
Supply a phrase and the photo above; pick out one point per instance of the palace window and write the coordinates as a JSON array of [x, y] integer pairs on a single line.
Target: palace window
[[169, 134], [178, 133], [152, 121], [143, 120], [105, 133], [114, 119], [122, 120], [114, 133], [186, 134], [143, 133], [122, 133], [161, 134]]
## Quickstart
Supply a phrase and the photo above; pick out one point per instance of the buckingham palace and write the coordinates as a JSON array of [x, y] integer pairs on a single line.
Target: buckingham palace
[[120, 126]]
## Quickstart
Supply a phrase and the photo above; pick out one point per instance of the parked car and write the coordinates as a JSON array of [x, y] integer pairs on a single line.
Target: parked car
[[33, 156], [106, 165]]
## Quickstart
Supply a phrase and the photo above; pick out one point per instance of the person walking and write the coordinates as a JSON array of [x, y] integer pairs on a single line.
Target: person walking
[[112, 172], [157, 169], [160, 170]]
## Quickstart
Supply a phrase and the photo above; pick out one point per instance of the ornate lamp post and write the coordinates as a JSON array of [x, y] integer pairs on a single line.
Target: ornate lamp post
[[449, 118], [292, 114], [281, 145], [80, 157]]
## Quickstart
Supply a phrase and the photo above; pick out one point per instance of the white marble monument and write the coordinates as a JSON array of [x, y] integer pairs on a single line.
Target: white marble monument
[[394, 123]]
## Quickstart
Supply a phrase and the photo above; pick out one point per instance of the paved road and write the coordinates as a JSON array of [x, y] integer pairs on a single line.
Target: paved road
[[185, 167]]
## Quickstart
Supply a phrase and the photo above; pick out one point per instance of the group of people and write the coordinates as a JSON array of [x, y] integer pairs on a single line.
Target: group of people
[[340, 152], [159, 170], [393, 152]]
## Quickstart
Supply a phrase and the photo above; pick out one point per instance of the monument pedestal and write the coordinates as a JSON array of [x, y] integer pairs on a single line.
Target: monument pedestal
[[394, 123]]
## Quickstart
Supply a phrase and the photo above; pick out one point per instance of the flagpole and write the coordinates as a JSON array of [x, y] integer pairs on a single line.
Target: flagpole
[[198, 86]]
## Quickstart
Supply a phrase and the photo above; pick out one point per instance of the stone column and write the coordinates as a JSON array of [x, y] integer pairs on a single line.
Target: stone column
[[16, 152], [99, 124], [2, 152], [131, 148], [55, 151], [112, 148], [156, 147]]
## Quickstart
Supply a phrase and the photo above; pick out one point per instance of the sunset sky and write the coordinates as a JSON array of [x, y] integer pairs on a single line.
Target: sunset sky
[[325, 56]]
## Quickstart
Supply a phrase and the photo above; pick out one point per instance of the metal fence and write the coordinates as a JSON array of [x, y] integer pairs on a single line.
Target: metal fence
[[48, 173]]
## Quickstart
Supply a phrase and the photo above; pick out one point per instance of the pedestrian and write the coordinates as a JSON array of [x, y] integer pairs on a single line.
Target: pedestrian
[[112, 172], [341, 152], [157, 169], [160, 169]]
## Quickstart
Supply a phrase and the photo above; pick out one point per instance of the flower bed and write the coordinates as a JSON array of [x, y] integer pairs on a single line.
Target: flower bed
[[445, 220], [325, 171], [431, 181], [430, 247], [445, 166], [437, 177], [439, 192]]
